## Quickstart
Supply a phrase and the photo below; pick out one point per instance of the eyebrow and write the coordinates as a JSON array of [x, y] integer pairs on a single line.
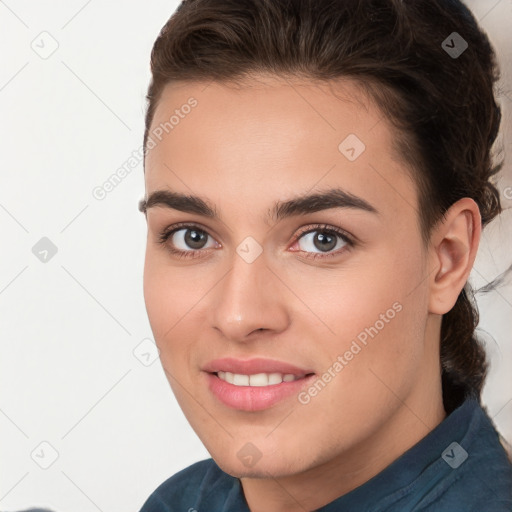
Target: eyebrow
[[300, 205]]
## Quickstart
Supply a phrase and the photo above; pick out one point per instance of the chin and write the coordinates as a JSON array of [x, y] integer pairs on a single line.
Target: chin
[[271, 466]]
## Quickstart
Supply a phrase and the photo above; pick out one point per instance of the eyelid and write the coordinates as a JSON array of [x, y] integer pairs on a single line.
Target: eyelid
[[350, 241], [325, 227], [170, 230], [348, 238]]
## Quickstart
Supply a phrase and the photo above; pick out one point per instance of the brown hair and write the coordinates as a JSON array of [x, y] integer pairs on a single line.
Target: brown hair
[[442, 104]]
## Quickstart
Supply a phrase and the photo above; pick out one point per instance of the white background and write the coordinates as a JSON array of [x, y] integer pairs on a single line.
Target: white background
[[69, 327]]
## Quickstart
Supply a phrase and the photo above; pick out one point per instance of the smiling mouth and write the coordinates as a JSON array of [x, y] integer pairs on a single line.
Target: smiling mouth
[[254, 389], [258, 379]]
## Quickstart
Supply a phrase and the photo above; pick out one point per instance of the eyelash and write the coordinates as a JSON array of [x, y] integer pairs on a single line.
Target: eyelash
[[164, 236]]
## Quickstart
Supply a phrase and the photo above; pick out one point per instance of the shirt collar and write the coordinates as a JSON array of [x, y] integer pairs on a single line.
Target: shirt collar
[[398, 478]]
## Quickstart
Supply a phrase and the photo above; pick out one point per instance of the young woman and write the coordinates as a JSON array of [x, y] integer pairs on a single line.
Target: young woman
[[317, 177]]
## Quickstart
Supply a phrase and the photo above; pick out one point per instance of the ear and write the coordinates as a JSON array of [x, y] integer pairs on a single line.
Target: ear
[[453, 247]]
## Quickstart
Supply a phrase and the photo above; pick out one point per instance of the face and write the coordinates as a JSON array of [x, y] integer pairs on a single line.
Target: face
[[291, 330]]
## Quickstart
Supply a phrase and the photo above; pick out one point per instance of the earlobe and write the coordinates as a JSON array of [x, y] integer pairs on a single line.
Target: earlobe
[[455, 244]]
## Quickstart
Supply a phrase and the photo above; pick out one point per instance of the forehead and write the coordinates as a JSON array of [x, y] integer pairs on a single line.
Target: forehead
[[225, 140]]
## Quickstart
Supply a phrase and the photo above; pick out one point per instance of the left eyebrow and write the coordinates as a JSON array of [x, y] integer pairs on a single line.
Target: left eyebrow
[[300, 205], [332, 198]]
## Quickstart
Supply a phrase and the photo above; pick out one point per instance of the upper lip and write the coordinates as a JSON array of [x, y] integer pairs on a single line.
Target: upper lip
[[253, 366]]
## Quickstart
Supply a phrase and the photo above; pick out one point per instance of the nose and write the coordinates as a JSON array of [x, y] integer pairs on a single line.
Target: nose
[[250, 299]]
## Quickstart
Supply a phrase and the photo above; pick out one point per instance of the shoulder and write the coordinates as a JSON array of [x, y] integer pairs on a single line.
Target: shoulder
[[481, 478], [185, 490]]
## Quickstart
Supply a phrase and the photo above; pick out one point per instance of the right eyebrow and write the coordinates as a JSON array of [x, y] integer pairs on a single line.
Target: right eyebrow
[[177, 201]]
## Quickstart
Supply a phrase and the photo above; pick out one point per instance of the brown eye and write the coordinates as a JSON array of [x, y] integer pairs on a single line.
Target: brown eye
[[194, 239], [187, 238]]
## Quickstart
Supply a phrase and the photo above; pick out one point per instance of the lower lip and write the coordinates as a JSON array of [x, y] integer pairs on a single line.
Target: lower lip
[[254, 398]]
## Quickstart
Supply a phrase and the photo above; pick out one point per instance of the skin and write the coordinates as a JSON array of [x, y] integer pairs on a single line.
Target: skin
[[242, 149]]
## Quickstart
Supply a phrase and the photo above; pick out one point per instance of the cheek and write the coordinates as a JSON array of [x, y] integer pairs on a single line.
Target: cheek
[[380, 303], [379, 319], [165, 299], [158, 302], [355, 296], [173, 296]]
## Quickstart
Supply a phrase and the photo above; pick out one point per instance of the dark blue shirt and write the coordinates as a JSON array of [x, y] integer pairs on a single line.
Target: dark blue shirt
[[460, 466]]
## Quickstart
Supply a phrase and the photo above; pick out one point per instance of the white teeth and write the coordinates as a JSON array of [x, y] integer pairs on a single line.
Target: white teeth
[[256, 380], [259, 379], [275, 378], [240, 380]]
